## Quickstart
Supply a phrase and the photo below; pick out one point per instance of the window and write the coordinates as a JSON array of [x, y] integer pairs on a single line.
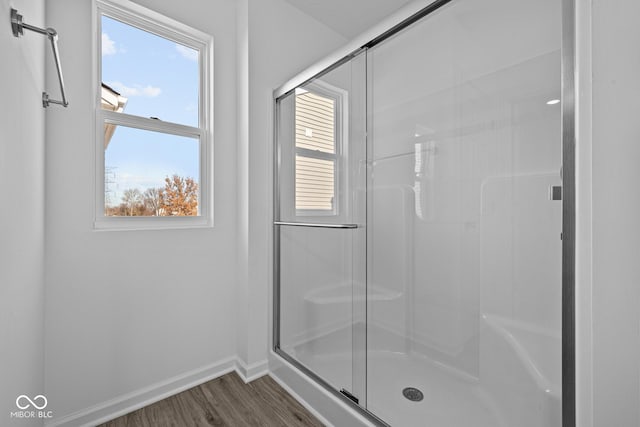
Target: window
[[153, 120], [318, 143]]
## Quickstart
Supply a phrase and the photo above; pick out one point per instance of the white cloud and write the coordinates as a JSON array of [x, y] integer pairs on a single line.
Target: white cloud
[[186, 52], [151, 91], [108, 45], [135, 90]]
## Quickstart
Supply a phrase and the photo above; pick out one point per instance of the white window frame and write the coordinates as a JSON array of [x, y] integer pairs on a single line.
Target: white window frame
[[340, 175], [155, 23]]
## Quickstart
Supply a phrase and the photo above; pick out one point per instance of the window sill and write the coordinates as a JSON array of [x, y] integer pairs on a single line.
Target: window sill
[[150, 223]]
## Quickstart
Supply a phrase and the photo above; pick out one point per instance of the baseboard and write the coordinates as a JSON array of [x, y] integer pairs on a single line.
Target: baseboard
[[301, 401], [129, 402], [251, 372]]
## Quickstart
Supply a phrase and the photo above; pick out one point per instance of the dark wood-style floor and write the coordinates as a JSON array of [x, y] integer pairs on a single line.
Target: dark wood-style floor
[[225, 401]]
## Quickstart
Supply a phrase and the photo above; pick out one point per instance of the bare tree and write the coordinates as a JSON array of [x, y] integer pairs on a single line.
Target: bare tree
[[132, 200], [152, 200]]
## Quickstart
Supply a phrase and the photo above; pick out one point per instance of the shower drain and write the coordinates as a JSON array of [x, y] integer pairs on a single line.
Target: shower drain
[[413, 394]]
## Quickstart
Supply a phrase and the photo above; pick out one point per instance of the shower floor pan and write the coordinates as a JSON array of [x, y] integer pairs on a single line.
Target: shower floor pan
[[449, 399], [518, 383]]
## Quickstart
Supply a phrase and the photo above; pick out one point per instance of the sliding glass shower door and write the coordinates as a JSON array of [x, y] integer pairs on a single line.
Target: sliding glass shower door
[[464, 249], [320, 233]]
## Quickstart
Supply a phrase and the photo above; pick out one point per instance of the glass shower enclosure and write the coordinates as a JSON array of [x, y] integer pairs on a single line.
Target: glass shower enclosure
[[418, 219]]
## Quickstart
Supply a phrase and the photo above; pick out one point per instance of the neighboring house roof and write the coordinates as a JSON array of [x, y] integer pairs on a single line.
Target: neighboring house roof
[[112, 101]]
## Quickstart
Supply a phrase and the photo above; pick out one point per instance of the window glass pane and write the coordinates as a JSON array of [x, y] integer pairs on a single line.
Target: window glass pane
[[147, 75], [315, 183], [315, 122], [150, 173], [315, 130]]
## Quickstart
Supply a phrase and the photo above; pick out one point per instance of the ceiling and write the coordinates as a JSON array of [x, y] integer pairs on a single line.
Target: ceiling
[[348, 17]]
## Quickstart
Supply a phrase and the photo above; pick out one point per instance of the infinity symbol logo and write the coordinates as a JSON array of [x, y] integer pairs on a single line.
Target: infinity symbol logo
[[22, 397]]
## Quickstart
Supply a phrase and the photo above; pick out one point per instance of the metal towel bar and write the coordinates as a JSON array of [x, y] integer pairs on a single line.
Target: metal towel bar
[[18, 26], [313, 224]]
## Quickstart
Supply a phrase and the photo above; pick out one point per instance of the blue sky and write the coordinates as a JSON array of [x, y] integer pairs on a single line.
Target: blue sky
[[160, 79]]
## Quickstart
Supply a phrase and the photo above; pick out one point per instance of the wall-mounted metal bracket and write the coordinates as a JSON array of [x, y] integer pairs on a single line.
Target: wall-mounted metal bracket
[[17, 27], [16, 23]]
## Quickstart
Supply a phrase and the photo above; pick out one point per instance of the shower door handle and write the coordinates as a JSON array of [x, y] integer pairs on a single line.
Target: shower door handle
[[314, 224]]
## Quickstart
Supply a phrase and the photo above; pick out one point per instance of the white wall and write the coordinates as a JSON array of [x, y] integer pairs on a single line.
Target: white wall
[[584, 338], [22, 213], [119, 317], [616, 207], [282, 41]]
